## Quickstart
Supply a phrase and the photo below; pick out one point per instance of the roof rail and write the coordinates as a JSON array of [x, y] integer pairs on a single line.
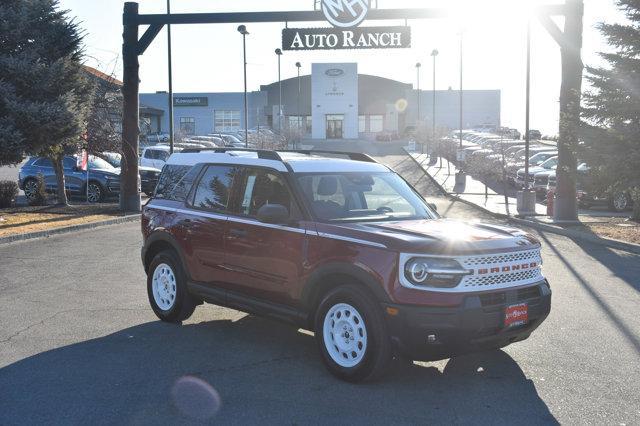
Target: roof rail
[[354, 156], [262, 153], [274, 155]]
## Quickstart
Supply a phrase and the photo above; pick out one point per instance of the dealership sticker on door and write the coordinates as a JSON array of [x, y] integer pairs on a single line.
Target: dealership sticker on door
[[516, 315]]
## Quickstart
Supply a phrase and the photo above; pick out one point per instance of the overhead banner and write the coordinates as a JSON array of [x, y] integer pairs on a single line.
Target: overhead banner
[[398, 37]]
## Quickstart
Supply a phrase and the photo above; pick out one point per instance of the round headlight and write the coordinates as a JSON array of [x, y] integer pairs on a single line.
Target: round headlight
[[418, 271]]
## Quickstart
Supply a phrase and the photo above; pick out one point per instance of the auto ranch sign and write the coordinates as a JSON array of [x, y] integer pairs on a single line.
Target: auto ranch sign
[[345, 16]]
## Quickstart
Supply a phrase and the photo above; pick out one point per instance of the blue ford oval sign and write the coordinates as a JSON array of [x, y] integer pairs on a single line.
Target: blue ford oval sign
[[334, 72], [345, 13]]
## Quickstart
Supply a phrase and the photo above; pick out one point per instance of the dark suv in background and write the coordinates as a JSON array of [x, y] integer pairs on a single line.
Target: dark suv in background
[[103, 181], [340, 246]]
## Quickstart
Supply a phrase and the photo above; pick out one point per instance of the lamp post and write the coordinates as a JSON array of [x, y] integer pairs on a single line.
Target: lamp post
[[279, 54], [527, 134], [460, 176], [171, 125], [418, 66], [461, 81], [298, 65], [434, 54], [243, 30]]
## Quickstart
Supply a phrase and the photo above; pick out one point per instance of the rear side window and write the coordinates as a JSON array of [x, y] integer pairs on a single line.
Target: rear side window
[[212, 192], [260, 187], [175, 182], [43, 162], [156, 154]]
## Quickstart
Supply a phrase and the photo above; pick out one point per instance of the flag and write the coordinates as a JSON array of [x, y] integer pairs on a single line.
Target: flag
[[83, 160]]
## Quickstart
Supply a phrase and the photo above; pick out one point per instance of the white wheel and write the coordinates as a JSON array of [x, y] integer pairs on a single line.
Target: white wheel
[[164, 287], [345, 335]]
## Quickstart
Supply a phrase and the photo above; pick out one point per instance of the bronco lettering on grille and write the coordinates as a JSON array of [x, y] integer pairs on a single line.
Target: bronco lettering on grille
[[485, 271]]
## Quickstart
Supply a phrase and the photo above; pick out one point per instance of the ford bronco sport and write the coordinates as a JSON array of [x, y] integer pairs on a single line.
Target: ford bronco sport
[[339, 245]]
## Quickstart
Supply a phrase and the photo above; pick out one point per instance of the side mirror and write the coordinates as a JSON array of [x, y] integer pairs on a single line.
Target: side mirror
[[275, 214]]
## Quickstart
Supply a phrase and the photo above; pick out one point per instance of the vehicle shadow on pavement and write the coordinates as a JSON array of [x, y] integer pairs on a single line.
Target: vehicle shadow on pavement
[[251, 371]]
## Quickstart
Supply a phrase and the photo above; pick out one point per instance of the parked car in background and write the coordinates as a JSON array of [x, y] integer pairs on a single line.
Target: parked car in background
[[158, 137], [230, 140], [547, 166], [589, 196], [535, 135], [156, 156], [103, 181], [148, 175], [534, 161]]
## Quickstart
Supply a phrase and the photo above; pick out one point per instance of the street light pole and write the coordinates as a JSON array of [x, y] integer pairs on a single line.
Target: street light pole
[[243, 30], [171, 125], [434, 54], [418, 65], [279, 54], [298, 65], [461, 81], [527, 137]]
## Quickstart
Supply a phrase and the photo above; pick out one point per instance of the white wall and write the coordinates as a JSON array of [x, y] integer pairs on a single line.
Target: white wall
[[334, 90]]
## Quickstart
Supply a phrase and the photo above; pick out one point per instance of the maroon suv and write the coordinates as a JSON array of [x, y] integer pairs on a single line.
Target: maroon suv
[[343, 247]]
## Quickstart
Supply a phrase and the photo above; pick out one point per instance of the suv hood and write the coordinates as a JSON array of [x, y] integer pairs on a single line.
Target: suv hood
[[106, 172], [441, 236]]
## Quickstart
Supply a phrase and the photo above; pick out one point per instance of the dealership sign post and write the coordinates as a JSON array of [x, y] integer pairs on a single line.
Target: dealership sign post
[[345, 17]]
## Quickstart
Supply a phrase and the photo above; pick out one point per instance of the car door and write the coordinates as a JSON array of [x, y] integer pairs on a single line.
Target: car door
[[204, 224], [264, 260], [74, 178]]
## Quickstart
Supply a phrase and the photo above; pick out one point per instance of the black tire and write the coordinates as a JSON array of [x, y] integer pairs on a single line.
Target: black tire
[[183, 304], [378, 350], [30, 188], [95, 188], [619, 202]]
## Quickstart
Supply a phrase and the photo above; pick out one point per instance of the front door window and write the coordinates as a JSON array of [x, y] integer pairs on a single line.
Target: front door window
[[334, 126]]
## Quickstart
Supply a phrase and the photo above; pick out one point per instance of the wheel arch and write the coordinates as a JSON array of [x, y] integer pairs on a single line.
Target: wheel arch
[[333, 275], [158, 242]]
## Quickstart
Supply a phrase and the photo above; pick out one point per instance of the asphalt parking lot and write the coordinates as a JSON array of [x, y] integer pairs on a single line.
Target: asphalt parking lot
[[79, 345]]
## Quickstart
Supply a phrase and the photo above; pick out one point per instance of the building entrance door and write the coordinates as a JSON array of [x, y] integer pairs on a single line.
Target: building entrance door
[[334, 126]]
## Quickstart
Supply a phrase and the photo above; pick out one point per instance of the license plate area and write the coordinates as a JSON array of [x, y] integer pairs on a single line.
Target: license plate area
[[516, 315]]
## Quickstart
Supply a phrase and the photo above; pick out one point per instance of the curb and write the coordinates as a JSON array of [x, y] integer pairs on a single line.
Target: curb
[[68, 229], [608, 242]]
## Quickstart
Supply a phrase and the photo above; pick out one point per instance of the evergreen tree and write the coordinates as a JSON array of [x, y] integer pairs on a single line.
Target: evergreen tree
[[612, 109], [44, 95]]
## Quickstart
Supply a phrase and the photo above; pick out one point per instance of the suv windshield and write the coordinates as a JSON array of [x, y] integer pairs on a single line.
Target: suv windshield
[[358, 197], [99, 163]]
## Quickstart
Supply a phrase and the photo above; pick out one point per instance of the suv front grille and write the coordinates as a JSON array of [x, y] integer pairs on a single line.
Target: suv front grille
[[501, 270]]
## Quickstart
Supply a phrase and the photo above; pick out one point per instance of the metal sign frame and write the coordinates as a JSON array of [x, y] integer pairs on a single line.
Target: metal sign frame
[[569, 40]]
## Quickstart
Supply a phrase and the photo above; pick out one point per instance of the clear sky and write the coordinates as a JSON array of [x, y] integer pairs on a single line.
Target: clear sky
[[208, 58]]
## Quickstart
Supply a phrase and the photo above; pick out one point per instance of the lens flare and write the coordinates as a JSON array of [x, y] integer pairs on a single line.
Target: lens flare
[[195, 398], [401, 105]]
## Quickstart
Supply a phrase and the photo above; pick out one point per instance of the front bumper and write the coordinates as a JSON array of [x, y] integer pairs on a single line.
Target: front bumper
[[148, 185], [476, 325]]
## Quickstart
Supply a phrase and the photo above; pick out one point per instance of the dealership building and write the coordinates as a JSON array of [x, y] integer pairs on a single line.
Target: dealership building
[[334, 102]]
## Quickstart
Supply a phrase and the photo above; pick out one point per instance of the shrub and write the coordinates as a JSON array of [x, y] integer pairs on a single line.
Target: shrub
[[40, 197], [8, 193]]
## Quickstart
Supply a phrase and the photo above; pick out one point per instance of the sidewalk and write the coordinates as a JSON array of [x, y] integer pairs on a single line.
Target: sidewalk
[[472, 190]]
